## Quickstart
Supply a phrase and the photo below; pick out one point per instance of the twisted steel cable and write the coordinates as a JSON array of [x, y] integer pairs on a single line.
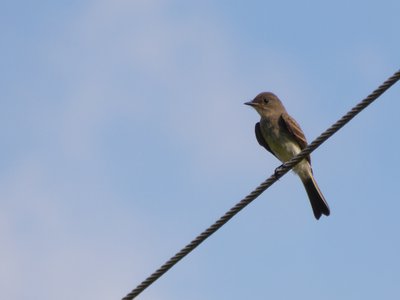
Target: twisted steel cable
[[279, 172]]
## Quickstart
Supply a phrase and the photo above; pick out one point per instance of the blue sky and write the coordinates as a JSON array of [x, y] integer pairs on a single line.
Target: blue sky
[[124, 135]]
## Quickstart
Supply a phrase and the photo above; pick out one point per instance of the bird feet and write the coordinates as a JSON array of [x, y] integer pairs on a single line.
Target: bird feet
[[276, 173]]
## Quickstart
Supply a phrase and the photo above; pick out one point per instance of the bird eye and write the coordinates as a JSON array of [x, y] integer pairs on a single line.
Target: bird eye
[[265, 100]]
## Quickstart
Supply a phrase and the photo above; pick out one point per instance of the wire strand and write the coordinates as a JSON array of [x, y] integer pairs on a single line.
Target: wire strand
[[279, 172]]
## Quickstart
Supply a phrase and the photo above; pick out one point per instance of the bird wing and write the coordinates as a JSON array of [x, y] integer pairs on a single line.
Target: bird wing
[[261, 139], [294, 129]]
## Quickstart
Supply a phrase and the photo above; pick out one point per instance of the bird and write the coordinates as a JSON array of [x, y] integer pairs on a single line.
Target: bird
[[281, 135]]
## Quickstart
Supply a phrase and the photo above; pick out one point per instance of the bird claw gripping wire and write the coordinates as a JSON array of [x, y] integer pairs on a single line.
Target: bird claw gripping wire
[[277, 173]]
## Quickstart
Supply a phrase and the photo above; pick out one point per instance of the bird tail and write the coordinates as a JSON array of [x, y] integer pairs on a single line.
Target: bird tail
[[317, 200]]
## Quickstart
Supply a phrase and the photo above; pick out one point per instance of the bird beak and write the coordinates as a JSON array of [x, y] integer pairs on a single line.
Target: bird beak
[[252, 104]]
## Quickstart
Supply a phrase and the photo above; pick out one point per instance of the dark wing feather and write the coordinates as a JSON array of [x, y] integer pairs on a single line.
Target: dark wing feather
[[261, 139], [294, 129]]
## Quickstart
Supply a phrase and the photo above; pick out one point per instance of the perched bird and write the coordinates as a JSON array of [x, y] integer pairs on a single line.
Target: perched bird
[[280, 134]]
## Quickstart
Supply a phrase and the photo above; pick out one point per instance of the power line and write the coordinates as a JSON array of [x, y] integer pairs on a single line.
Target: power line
[[279, 172]]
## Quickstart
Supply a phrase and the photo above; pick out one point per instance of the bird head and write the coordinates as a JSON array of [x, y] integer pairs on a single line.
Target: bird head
[[265, 102]]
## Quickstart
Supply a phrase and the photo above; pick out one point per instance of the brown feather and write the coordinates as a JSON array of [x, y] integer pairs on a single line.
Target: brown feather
[[260, 138], [294, 129]]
